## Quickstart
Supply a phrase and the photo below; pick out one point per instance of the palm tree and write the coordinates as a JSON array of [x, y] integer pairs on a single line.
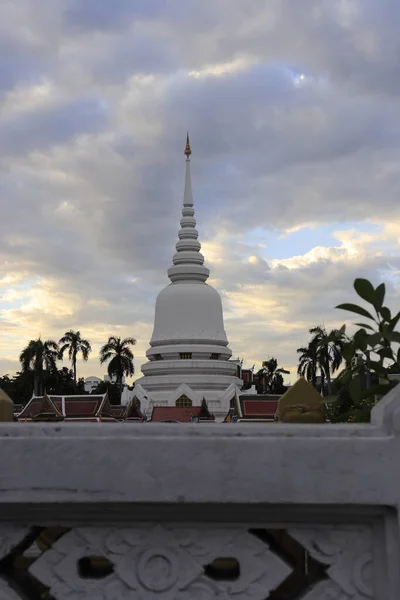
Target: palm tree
[[73, 342], [39, 356], [327, 352], [272, 377], [308, 364], [120, 355]]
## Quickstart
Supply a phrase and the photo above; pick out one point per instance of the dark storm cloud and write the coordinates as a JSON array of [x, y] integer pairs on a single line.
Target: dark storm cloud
[[139, 54], [98, 14], [356, 42], [320, 152], [291, 124], [93, 184], [17, 65], [40, 129]]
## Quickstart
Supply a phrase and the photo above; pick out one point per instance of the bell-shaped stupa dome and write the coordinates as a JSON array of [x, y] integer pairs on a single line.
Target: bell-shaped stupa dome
[[189, 344]]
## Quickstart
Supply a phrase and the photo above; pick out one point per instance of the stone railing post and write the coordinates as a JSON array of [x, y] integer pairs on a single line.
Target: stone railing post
[[182, 512]]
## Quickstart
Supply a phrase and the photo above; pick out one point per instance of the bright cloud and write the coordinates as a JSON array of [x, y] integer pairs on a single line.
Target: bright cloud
[[293, 115], [218, 70]]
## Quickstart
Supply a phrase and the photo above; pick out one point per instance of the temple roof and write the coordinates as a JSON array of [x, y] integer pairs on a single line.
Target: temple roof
[[90, 408], [66, 406], [180, 414], [259, 408], [118, 412], [133, 412], [47, 409]]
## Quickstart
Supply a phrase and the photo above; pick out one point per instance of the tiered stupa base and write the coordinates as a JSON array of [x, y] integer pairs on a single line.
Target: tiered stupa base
[[218, 401], [189, 358]]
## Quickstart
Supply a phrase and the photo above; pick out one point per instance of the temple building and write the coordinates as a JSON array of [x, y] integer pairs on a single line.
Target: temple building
[[90, 408], [96, 408], [189, 358]]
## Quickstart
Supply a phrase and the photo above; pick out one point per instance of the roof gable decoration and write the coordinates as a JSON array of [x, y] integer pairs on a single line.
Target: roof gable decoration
[[29, 409], [230, 417], [235, 410], [141, 394], [118, 412], [47, 406], [204, 412], [237, 406], [103, 408], [231, 392], [184, 390], [133, 410]]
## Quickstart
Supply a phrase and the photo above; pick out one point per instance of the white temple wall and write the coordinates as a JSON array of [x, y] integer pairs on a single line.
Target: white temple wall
[[162, 502]]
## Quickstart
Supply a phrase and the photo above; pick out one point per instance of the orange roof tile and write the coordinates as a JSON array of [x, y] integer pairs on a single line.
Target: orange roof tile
[[258, 408], [180, 414]]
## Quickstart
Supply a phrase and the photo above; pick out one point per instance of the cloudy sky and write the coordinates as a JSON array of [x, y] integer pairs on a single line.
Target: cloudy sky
[[294, 114]]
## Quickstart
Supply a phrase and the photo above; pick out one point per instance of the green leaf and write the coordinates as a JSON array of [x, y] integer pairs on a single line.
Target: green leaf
[[365, 290], [391, 336], [379, 296], [355, 389], [343, 378], [384, 326], [365, 326], [379, 389], [349, 352], [361, 339], [330, 399], [374, 339], [356, 309], [386, 314], [377, 367], [395, 320], [385, 353]]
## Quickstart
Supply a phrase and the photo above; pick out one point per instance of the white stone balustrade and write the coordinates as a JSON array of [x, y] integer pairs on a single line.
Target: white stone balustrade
[[166, 504]]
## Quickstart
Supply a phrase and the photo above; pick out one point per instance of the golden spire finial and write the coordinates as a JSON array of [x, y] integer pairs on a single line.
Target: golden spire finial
[[188, 151]]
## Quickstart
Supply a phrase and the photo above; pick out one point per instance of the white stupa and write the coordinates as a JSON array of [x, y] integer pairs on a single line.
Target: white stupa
[[188, 358]]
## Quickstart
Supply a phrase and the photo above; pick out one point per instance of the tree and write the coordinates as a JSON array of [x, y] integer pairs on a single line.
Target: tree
[[112, 391], [120, 357], [6, 384], [80, 386], [324, 353], [61, 382], [344, 405], [308, 363], [75, 344], [19, 387], [372, 356], [272, 377], [39, 356]]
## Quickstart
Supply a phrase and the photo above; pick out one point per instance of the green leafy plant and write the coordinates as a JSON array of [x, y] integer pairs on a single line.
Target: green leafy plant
[[271, 377], [372, 356], [378, 337]]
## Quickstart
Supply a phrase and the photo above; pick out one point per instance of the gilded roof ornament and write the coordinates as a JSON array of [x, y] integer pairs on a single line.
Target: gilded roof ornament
[[188, 151]]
